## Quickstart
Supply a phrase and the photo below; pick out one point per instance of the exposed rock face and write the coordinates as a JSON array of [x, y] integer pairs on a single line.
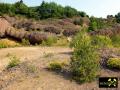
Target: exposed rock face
[[4, 25]]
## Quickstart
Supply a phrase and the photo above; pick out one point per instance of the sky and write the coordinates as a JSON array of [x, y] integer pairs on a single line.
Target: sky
[[97, 8]]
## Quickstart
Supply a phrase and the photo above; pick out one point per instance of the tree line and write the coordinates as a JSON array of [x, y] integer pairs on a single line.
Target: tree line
[[44, 11]]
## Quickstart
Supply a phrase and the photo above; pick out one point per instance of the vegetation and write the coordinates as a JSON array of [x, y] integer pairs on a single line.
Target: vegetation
[[55, 66], [31, 68], [5, 43], [116, 40], [97, 23], [62, 41], [85, 59], [100, 41], [25, 42], [114, 63], [50, 41], [78, 21], [14, 61], [45, 10]]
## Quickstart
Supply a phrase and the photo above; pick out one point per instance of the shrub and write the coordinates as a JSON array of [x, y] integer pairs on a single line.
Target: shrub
[[52, 29], [4, 43], [100, 41], [25, 42], [49, 41], [62, 41], [85, 60], [36, 37], [70, 32], [114, 63], [55, 66], [78, 21], [116, 40], [14, 61], [31, 68]]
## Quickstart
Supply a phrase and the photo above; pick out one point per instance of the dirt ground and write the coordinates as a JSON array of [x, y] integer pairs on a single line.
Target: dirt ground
[[19, 79]]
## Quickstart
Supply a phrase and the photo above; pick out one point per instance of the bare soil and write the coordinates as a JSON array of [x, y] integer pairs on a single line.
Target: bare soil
[[22, 78]]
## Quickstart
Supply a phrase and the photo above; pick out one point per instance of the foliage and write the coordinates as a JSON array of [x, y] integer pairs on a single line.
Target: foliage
[[70, 32], [49, 41], [55, 65], [5, 43], [114, 63], [14, 61], [62, 41], [116, 40], [31, 68], [100, 23], [85, 59], [117, 17], [44, 11], [25, 42], [78, 22], [100, 41], [70, 12], [6, 9], [20, 8], [52, 29]]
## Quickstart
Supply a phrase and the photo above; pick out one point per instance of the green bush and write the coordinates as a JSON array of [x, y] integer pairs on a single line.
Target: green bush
[[114, 63], [5, 43], [25, 42], [116, 40], [50, 41], [55, 66], [14, 61], [100, 41], [62, 41], [85, 60]]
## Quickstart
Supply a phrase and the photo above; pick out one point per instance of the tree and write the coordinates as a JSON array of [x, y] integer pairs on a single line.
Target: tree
[[118, 17], [21, 8], [82, 14], [5, 8], [93, 24], [85, 59], [70, 12], [50, 10]]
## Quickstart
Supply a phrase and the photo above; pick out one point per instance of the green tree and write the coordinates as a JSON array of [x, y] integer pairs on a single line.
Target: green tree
[[118, 17], [49, 10], [21, 8], [70, 12], [5, 8], [85, 59], [93, 24]]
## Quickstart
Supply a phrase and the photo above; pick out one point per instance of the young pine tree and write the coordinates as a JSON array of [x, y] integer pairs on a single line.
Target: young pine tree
[[85, 59]]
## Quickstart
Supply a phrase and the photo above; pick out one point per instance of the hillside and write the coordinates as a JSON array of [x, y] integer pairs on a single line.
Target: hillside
[[55, 47]]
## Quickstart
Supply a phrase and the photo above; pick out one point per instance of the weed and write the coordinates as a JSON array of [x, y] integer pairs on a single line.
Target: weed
[[14, 61]]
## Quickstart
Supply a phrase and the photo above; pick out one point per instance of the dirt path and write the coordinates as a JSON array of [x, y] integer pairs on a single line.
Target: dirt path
[[30, 53], [18, 79]]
